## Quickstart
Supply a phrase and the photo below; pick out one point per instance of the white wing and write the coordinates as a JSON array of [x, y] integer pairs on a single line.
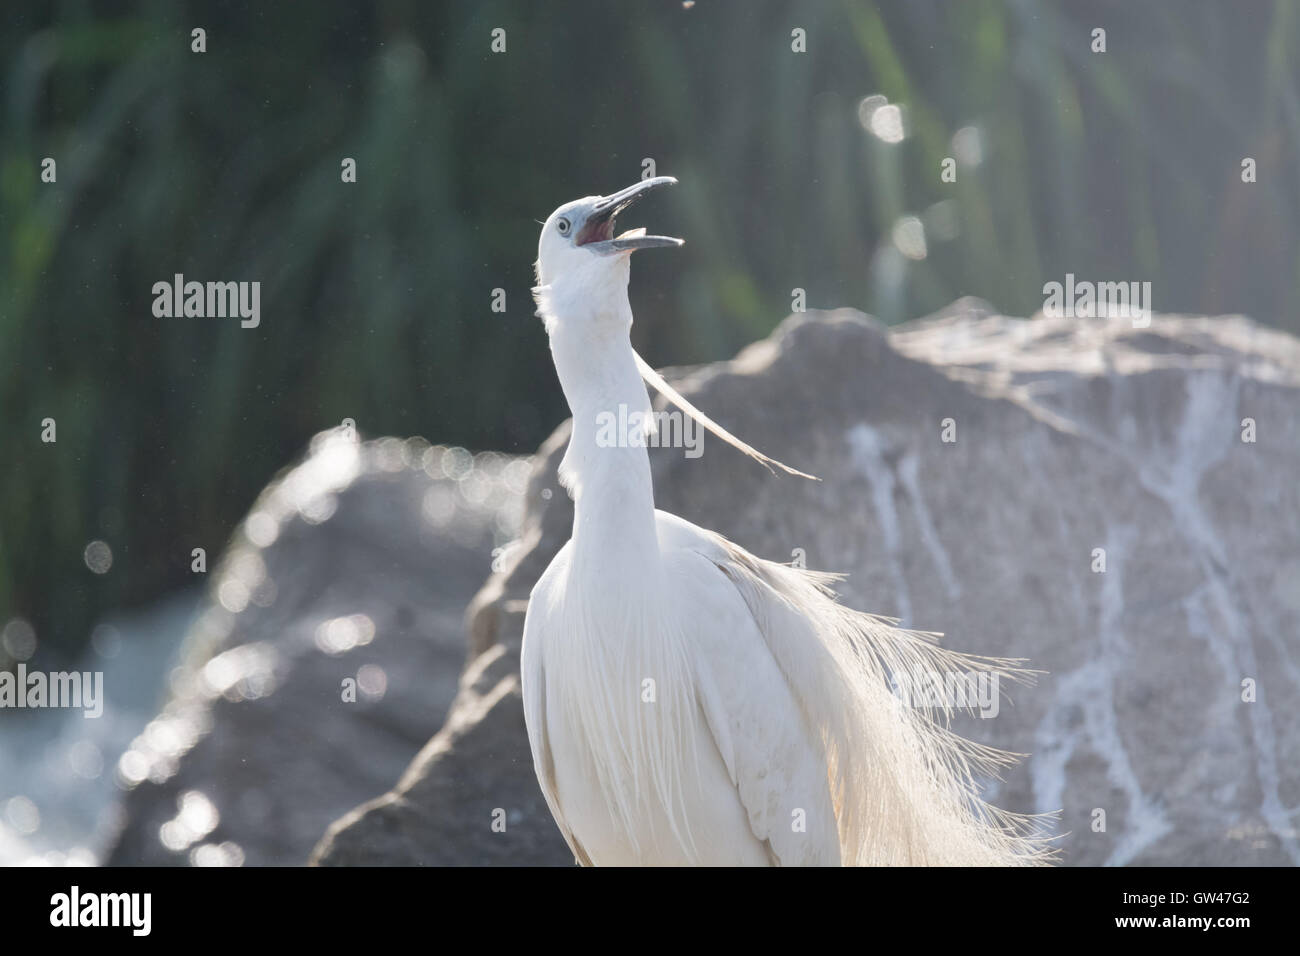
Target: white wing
[[901, 783], [793, 690], [532, 668], [769, 761], [768, 747]]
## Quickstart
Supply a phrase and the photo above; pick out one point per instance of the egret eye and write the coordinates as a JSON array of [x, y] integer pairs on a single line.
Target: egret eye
[[562, 224]]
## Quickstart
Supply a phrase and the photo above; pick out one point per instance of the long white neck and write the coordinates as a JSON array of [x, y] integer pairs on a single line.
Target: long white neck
[[606, 467]]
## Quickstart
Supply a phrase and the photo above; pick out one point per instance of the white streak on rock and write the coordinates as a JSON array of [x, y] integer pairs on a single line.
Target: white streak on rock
[[908, 475], [868, 449]]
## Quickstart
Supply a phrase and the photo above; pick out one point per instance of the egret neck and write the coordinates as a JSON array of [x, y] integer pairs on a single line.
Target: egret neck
[[613, 495], [582, 275]]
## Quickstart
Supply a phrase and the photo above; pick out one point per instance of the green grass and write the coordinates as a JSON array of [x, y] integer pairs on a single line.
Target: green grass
[[375, 296]]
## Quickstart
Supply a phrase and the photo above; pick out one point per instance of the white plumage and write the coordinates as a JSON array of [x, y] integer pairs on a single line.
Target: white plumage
[[690, 703]]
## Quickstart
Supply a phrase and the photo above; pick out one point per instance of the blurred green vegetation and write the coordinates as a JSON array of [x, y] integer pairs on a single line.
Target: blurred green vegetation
[[376, 296]]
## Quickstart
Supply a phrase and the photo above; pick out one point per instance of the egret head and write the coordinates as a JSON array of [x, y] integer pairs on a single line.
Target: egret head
[[578, 239]]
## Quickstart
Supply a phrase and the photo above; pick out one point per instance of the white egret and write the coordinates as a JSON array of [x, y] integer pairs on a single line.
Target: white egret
[[690, 703]]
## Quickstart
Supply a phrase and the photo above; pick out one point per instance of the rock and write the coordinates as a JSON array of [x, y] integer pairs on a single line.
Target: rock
[[1070, 436], [356, 564], [470, 795]]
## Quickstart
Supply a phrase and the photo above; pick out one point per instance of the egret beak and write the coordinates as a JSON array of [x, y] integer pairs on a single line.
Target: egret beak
[[598, 231]]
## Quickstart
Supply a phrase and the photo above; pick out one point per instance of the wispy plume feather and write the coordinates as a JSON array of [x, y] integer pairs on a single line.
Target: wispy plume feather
[[656, 381]]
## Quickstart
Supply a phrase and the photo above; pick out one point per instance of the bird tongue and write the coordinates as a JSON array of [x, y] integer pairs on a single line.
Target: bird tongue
[[632, 233]]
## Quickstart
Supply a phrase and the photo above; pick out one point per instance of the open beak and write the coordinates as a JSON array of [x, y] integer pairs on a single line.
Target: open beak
[[598, 231]]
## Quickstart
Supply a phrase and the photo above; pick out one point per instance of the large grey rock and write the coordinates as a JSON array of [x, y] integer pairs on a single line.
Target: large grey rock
[[356, 564], [1071, 436]]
